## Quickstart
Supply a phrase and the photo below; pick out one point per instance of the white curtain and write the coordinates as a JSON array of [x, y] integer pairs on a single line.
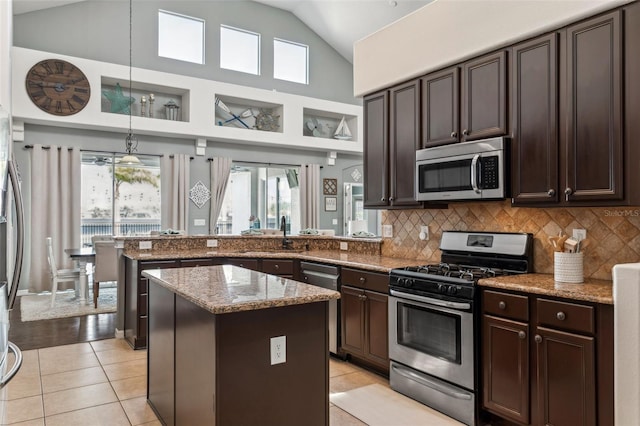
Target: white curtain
[[55, 211], [175, 181], [309, 196], [220, 168]]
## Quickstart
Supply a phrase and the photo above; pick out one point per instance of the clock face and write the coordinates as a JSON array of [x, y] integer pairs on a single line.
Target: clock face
[[58, 87]]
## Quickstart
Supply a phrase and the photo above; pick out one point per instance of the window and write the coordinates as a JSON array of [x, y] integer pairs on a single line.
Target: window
[[290, 61], [180, 37], [257, 197], [239, 50], [131, 191]]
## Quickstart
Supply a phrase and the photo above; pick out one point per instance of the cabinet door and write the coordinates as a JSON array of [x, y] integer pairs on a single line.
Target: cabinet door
[[534, 121], [594, 141], [484, 97], [566, 378], [376, 145], [505, 368], [403, 143], [377, 328], [352, 307], [440, 108]]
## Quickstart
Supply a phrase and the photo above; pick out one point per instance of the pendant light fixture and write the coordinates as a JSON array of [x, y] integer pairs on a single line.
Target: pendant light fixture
[[131, 141]]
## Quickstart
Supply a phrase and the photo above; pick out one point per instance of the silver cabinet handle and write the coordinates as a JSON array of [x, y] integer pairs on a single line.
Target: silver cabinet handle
[[474, 173], [383, 199], [454, 134], [276, 266], [522, 334], [561, 316], [538, 338], [465, 132], [362, 280], [390, 198], [551, 192], [502, 305]]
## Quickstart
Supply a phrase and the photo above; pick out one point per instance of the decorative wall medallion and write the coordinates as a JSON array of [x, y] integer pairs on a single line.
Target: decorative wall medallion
[[356, 175], [330, 186], [199, 194]]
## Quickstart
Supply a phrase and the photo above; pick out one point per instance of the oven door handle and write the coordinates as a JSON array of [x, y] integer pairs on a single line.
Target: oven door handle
[[433, 385], [431, 301]]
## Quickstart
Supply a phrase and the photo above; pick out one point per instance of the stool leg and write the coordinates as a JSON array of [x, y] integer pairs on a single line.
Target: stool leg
[[54, 288], [96, 291]]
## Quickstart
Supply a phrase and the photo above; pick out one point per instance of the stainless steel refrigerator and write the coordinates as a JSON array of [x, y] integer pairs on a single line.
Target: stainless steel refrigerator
[[11, 249]]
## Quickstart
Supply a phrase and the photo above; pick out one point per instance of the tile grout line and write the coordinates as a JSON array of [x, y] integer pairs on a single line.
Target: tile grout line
[[111, 385]]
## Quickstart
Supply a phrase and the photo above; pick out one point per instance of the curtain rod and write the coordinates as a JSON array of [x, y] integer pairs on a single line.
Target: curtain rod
[[266, 164], [104, 152]]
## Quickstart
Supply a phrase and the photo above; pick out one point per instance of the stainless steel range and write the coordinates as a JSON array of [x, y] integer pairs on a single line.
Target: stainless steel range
[[434, 320]]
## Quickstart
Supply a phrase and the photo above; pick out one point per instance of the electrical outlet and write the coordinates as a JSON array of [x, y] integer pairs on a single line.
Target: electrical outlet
[[278, 350], [344, 245], [424, 232], [387, 231], [334, 221], [579, 234], [145, 245], [212, 243], [199, 222]]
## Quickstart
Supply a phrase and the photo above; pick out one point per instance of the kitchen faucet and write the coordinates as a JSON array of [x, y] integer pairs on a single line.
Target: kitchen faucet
[[286, 244]]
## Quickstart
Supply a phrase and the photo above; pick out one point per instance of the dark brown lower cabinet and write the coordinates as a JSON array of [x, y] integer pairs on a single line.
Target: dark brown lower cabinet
[[365, 325], [547, 361]]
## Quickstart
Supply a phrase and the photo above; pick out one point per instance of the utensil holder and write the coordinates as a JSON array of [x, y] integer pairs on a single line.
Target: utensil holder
[[568, 267]]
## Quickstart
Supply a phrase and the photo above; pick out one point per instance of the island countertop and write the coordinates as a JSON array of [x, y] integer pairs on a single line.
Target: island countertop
[[226, 288]]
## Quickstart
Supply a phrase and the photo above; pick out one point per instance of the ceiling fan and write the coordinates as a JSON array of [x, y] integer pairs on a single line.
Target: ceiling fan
[[102, 160]]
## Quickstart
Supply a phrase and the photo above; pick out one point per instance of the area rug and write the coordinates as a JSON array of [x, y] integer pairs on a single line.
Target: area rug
[[377, 405], [36, 307]]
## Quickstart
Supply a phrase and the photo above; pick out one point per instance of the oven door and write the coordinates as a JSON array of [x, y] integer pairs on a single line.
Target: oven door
[[432, 336]]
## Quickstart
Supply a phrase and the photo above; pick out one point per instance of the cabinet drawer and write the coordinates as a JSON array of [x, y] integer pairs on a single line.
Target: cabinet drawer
[[142, 327], [243, 263], [277, 267], [187, 263], [142, 305], [565, 315], [366, 280], [142, 285], [159, 264], [506, 305]]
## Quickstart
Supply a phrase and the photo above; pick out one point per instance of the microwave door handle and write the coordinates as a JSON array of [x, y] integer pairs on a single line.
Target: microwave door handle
[[474, 173]]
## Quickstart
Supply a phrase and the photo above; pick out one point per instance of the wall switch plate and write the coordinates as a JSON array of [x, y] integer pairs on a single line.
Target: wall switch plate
[[424, 232], [199, 222], [145, 245], [387, 231], [334, 221], [579, 234], [344, 245], [212, 243], [278, 350]]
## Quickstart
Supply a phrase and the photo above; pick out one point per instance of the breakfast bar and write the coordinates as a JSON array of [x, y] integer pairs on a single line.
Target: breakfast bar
[[228, 345]]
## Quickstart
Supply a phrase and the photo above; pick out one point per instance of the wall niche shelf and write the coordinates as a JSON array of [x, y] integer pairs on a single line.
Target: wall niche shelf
[[324, 124], [248, 114], [162, 95]]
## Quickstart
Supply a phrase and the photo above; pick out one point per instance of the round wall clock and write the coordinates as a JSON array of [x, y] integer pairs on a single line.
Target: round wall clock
[[58, 87]]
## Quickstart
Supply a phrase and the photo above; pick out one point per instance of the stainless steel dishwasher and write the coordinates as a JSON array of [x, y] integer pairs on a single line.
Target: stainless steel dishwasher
[[326, 276]]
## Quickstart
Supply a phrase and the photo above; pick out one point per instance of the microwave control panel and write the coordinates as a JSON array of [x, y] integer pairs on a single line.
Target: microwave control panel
[[489, 172]]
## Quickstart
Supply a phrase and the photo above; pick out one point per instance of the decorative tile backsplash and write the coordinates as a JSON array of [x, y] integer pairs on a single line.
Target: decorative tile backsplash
[[613, 233]]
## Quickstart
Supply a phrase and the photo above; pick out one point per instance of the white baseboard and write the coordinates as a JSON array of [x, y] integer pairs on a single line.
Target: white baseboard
[[119, 334]]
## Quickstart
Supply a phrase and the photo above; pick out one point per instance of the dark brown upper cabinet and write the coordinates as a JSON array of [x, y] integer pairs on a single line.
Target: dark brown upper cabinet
[[593, 145], [391, 138], [441, 108], [534, 121], [403, 142], [376, 149], [484, 97]]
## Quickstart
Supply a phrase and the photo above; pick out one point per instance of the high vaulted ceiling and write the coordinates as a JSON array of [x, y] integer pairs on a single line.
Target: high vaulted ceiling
[[339, 22]]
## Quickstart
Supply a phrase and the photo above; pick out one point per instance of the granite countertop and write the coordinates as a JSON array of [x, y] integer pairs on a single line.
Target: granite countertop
[[375, 263], [597, 291], [225, 288]]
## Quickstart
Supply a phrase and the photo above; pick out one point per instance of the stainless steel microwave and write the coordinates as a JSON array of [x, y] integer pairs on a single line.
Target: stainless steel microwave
[[463, 171]]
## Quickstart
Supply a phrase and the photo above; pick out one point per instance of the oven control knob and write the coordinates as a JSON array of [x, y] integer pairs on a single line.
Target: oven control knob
[[401, 281], [442, 288], [410, 282], [452, 290]]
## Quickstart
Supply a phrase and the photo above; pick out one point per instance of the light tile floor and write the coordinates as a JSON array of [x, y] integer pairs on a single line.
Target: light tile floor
[[104, 383]]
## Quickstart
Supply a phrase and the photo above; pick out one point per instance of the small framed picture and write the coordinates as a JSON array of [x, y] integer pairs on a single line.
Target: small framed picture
[[330, 204]]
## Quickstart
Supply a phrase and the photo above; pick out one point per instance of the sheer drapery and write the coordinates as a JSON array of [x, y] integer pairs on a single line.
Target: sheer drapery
[[174, 182], [55, 211], [220, 168], [309, 196]]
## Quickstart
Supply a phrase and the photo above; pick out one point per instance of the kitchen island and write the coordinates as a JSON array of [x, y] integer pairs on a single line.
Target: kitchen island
[[211, 356]]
